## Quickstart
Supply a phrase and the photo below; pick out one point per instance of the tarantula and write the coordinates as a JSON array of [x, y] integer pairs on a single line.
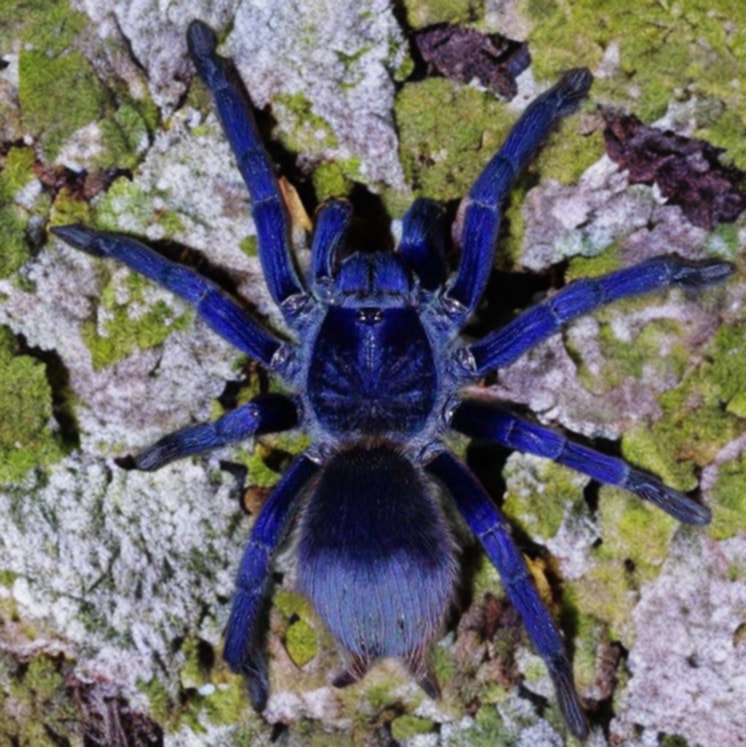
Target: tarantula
[[376, 371]]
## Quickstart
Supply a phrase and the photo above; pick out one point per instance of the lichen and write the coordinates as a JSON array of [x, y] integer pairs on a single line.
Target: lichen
[[540, 494], [16, 173], [729, 506], [700, 416], [447, 133], [131, 323], [421, 13], [303, 129], [27, 437], [635, 541], [664, 50], [57, 95]]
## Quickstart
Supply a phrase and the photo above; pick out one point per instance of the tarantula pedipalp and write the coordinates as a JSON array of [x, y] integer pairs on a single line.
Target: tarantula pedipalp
[[376, 372]]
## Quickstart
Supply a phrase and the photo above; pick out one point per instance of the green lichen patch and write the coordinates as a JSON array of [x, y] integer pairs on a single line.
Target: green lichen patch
[[729, 506], [700, 416], [303, 129], [540, 494], [27, 438], [125, 136], [131, 323], [635, 542], [57, 95], [687, 49], [447, 133], [631, 359], [407, 726], [335, 178], [421, 13], [17, 172], [36, 707], [49, 26]]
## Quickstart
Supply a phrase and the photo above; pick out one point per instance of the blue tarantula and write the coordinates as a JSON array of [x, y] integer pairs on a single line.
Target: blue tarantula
[[376, 372]]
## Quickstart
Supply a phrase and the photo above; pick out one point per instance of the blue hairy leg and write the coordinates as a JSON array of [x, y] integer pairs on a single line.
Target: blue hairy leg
[[423, 242], [481, 207], [376, 557], [493, 532], [503, 347], [270, 215], [267, 413], [243, 650], [217, 308], [482, 421], [332, 222]]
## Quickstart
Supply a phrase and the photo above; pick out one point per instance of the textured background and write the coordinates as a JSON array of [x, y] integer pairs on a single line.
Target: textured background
[[114, 585]]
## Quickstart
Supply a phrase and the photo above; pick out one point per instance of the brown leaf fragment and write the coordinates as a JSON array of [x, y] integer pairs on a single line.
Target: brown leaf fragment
[[688, 171], [464, 54]]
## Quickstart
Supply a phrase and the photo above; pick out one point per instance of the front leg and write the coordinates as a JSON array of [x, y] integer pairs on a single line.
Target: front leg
[[481, 207], [234, 110]]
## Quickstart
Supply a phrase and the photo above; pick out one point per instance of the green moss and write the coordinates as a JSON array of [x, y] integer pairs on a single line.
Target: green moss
[[48, 25], [664, 48], [729, 508], [301, 642], [250, 246], [123, 332], [635, 542], [406, 727], [69, 208], [310, 132], [673, 740], [572, 152], [700, 416], [335, 178], [57, 95], [26, 436], [161, 705], [591, 267], [421, 13], [17, 171], [539, 495], [37, 708], [447, 133], [125, 134]]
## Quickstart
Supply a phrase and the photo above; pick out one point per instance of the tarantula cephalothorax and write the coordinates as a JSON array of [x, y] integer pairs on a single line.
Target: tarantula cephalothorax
[[376, 371]]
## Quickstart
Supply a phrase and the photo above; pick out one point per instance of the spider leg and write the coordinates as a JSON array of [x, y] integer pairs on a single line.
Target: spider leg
[[234, 109], [268, 413], [421, 243], [215, 306], [481, 207], [242, 649], [493, 532], [504, 346], [479, 420], [332, 222]]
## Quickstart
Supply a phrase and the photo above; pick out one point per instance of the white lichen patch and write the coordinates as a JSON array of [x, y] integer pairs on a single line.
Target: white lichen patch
[[122, 565], [688, 672]]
